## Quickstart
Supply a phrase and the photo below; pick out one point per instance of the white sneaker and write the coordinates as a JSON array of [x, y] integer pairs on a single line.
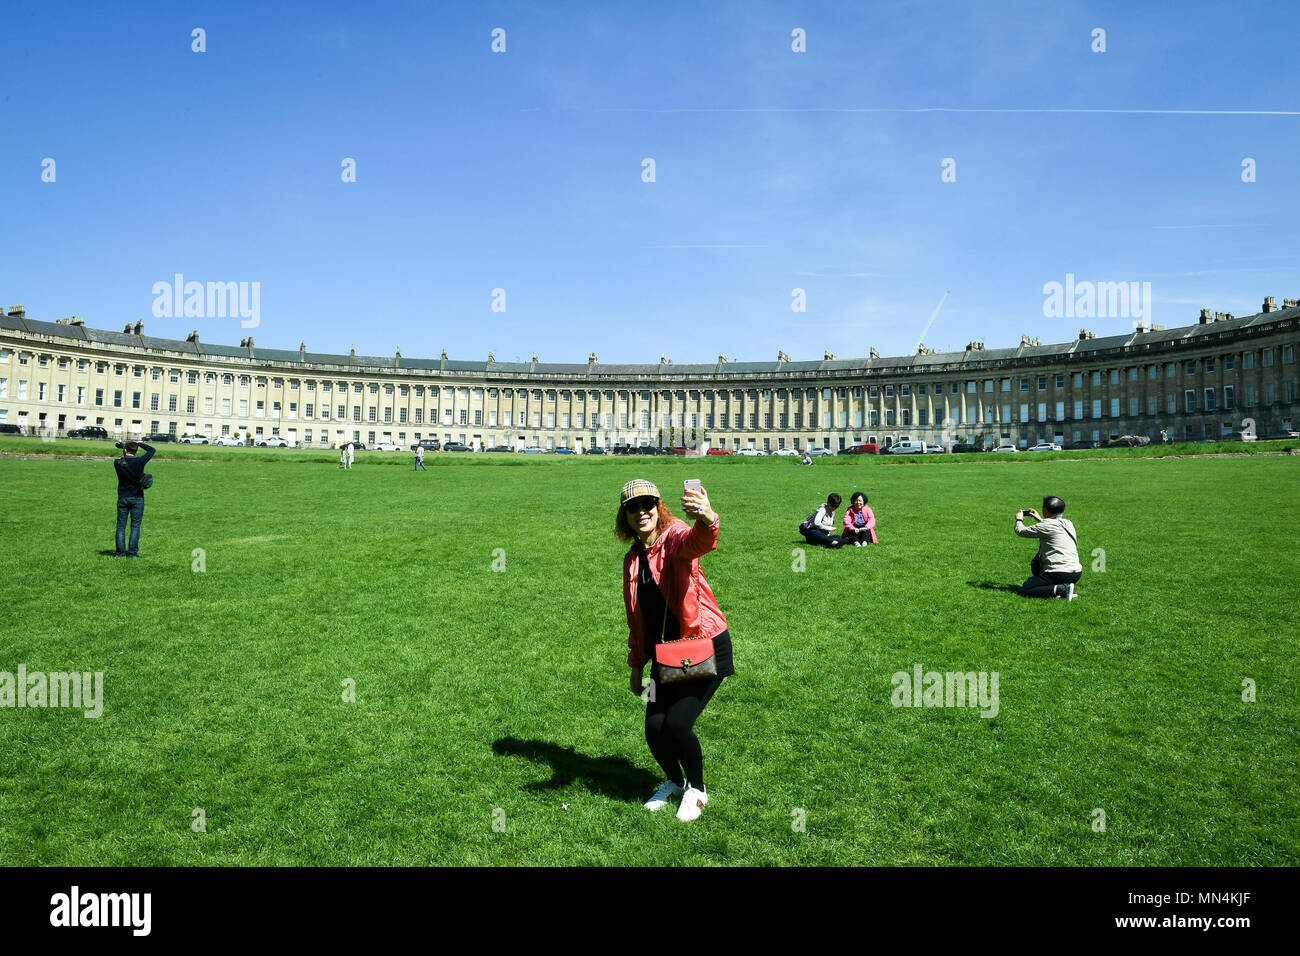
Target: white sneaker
[[662, 796], [693, 802], [1070, 593]]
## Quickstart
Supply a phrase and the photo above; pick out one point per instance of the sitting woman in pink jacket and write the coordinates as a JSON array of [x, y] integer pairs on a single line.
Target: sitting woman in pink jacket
[[859, 521]]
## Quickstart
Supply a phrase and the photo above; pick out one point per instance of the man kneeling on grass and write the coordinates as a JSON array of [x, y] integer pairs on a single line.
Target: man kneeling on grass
[[1056, 568]]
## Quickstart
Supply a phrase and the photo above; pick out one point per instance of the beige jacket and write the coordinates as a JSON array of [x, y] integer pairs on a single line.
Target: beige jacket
[[1058, 545]]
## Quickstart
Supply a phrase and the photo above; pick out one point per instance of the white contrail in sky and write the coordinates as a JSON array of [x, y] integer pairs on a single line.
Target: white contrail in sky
[[933, 315]]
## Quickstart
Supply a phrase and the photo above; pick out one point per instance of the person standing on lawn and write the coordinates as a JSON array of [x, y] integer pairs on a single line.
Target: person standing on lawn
[[419, 458], [130, 495], [667, 598]]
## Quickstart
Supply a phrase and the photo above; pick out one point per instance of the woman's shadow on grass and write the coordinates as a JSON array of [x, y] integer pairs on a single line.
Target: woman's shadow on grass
[[994, 586], [614, 777]]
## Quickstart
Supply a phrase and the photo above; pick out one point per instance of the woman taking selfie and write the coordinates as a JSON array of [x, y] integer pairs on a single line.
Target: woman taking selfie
[[674, 621]]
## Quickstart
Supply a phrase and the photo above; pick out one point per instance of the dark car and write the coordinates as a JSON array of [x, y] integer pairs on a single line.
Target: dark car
[[428, 444], [966, 448], [85, 431], [499, 448], [595, 450], [456, 446], [866, 448], [8, 429], [1081, 445], [158, 437], [356, 445]]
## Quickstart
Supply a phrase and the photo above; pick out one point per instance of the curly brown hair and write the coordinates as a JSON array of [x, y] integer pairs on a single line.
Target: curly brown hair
[[624, 531]]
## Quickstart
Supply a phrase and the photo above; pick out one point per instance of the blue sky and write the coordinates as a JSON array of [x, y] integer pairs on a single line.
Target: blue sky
[[774, 170]]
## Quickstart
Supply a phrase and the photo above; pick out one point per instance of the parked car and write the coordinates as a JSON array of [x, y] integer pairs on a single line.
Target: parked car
[[966, 448], [751, 452], [1044, 446], [428, 444], [158, 438], [786, 453], [85, 431], [719, 451], [595, 450], [1283, 436], [456, 446], [1239, 436], [1005, 447], [1080, 445], [820, 452], [193, 440], [907, 447], [565, 451], [227, 440], [499, 448], [386, 445], [530, 450], [866, 448], [933, 449], [274, 441]]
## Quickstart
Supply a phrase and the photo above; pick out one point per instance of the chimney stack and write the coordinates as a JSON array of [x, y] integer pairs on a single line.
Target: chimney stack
[[1270, 304], [139, 327], [17, 312], [127, 330], [1206, 317], [1290, 303], [76, 320], [874, 353], [193, 337]]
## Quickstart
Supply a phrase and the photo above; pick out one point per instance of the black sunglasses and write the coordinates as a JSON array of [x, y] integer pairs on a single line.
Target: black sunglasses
[[640, 504]]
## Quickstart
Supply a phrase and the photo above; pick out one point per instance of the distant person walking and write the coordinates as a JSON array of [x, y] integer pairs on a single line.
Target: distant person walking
[[343, 456], [131, 482], [1056, 568], [419, 458], [819, 526], [351, 455], [859, 521], [667, 599]]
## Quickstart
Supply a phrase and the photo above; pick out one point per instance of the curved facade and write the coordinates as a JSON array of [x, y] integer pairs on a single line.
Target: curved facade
[[1199, 381]]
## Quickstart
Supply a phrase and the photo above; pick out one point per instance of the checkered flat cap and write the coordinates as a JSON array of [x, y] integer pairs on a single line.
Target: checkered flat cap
[[639, 488]]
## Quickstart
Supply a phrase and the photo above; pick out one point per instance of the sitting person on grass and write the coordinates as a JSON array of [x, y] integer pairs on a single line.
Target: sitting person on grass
[[1056, 568], [817, 527], [859, 521]]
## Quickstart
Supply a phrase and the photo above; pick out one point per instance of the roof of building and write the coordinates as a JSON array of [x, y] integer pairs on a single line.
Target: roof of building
[[663, 368]]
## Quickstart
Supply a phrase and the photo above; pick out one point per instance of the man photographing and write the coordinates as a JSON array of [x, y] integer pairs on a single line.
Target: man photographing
[[131, 483], [1056, 568]]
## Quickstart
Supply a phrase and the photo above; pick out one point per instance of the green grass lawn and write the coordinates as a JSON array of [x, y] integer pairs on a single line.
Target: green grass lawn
[[489, 696]]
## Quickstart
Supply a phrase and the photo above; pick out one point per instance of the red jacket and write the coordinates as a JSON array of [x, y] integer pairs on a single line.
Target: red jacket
[[685, 589]]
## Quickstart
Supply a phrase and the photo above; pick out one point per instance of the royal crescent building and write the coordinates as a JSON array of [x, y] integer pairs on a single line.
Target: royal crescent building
[[1221, 375]]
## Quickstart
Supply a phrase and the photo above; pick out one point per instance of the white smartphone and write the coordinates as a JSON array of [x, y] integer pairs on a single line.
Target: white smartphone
[[691, 484]]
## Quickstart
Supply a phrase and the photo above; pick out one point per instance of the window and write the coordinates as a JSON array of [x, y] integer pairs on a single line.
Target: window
[[1114, 376], [1248, 360], [1024, 412], [1060, 381], [1078, 411], [153, 402], [1060, 411], [1151, 372], [1209, 399], [970, 387], [1042, 411], [1171, 404], [1096, 378], [1228, 396], [1042, 383], [1096, 408], [1024, 384], [135, 397], [1227, 363], [99, 396], [1153, 405], [1189, 400], [1268, 358], [889, 391], [1114, 408], [1288, 354], [889, 417], [1209, 365], [1006, 385], [1133, 405]]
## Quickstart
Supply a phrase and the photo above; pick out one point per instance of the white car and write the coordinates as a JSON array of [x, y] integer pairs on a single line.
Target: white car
[[819, 452], [751, 452], [907, 447], [786, 453], [933, 449], [1045, 446], [386, 445], [274, 441], [1006, 448], [192, 440], [227, 440]]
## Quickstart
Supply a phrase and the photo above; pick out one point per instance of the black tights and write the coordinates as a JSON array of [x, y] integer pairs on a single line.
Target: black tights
[[669, 717]]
